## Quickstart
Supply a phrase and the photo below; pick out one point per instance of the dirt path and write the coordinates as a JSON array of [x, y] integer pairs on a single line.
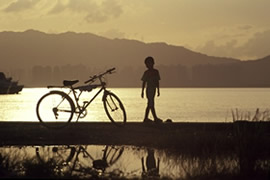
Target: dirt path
[[26, 133]]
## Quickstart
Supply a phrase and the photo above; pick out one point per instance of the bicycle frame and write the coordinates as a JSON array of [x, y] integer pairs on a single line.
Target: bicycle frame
[[82, 108], [109, 157]]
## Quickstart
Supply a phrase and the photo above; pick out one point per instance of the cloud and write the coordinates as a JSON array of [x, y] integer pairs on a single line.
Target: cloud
[[73, 6], [211, 48], [245, 27], [258, 45], [91, 11], [94, 12], [113, 33], [21, 5], [255, 47], [112, 7], [96, 17], [58, 8]]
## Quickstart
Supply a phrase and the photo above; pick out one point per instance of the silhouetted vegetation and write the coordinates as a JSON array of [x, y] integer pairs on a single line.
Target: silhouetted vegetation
[[238, 153], [6, 168]]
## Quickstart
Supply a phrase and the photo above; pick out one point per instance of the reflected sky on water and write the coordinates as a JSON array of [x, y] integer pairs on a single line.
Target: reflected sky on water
[[178, 104], [129, 162], [85, 161]]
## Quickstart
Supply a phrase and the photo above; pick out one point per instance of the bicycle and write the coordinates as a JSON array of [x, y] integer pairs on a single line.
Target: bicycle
[[56, 108], [77, 160], [83, 159]]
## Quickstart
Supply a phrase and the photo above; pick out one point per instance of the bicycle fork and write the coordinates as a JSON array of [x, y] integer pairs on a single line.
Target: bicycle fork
[[115, 107]]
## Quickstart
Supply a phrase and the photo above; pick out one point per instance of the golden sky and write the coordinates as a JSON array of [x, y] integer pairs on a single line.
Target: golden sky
[[232, 28]]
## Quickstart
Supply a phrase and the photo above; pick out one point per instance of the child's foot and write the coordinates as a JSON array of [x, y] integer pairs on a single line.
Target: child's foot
[[157, 120], [146, 120]]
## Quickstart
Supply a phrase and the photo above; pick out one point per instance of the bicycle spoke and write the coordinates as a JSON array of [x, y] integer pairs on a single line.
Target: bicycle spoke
[[113, 103], [114, 154], [114, 109], [55, 108]]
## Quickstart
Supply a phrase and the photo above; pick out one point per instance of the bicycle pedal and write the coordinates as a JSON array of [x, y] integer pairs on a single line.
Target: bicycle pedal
[[85, 102]]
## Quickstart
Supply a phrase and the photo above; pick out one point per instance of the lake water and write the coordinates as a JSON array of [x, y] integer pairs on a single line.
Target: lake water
[[122, 161], [178, 104]]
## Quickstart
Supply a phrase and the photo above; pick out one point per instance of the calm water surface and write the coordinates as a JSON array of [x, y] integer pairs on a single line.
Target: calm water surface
[[125, 160], [178, 104]]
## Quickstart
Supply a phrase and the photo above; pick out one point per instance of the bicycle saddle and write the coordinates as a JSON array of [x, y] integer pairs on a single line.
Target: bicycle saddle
[[69, 83]]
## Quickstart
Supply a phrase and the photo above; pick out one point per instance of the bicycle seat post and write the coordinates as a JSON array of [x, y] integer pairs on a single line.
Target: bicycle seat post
[[85, 103]]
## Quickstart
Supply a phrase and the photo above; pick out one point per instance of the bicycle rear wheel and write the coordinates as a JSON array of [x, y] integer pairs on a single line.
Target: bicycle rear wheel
[[114, 109], [55, 109]]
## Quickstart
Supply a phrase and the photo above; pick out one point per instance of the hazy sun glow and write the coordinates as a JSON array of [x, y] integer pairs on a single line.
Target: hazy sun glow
[[224, 28]]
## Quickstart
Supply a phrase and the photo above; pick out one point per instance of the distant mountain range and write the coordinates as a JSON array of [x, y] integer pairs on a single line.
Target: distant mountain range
[[39, 59], [32, 47]]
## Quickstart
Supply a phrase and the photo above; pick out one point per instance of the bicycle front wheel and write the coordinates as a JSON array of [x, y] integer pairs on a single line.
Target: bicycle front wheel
[[55, 109], [114, 109], [58, 154], [112, 154]]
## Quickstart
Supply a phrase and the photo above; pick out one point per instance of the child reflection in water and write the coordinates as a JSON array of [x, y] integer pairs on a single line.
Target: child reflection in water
[[152, 167]]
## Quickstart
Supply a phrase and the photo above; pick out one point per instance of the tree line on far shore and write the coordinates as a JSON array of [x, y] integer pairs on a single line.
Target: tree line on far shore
[[222, 75]]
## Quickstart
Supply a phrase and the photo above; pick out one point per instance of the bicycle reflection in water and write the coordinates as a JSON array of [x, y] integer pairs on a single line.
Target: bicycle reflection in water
[[77, 160]]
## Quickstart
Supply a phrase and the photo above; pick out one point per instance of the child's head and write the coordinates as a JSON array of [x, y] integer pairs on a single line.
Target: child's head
[[149, 62]]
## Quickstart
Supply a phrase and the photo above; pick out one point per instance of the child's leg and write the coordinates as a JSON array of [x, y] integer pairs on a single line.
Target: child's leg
[[151, 106], [150, 94], [154, 112], [146, 112]]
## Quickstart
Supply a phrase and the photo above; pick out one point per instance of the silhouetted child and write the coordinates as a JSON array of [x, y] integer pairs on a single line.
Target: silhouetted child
[[150, 79]]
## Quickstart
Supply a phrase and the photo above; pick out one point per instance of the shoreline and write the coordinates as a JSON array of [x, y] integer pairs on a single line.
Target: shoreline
[[165, 135]]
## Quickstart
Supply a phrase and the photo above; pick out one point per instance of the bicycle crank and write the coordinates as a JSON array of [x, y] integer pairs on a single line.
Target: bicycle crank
[[83, 113]]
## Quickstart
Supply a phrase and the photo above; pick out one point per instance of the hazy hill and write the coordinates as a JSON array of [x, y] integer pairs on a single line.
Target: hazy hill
[[257, 72], [29, 48], [252, 73], [38, 59]]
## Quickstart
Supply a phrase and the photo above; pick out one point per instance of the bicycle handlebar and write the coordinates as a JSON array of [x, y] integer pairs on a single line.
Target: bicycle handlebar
[[92, 79]]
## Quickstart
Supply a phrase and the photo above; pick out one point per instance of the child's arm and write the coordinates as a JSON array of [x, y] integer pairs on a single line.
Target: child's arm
[[143, 86], [158, 93]]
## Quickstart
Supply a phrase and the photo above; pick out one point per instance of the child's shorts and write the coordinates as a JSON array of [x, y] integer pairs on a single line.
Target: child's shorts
[[150, 94]]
